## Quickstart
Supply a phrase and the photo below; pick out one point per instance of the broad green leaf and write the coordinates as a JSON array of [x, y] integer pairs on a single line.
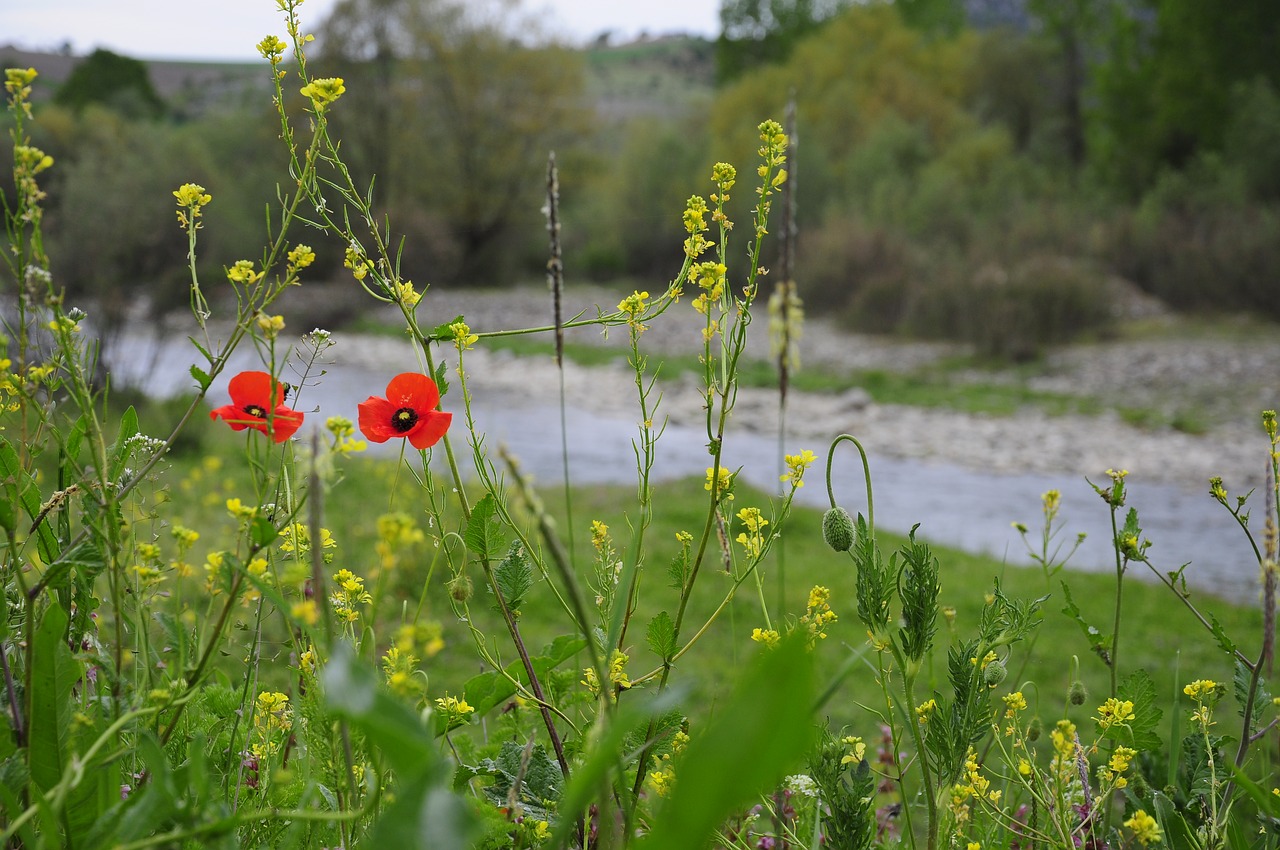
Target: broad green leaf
[[491, 688], [263, 531], [442, 377], [763, 728], [19, 483], [54, 672], [513, 577], [661, 635], [484, 535], [424, 816], [444, 332], [1140, 732]]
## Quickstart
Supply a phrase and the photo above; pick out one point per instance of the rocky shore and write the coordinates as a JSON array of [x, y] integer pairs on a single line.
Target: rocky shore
[[1226, 381]]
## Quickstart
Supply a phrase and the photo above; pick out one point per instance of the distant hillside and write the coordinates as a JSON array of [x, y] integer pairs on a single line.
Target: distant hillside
[[188, 88]]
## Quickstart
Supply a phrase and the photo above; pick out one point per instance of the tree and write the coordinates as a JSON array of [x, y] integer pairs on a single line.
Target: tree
[[119, 82], [456, 118], [760, 32]]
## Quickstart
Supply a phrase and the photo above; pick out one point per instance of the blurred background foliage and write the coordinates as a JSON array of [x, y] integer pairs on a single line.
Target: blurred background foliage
[[1012, 173]]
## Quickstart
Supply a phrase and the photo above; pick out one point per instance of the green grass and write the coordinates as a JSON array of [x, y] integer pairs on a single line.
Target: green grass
[[1157, 633]]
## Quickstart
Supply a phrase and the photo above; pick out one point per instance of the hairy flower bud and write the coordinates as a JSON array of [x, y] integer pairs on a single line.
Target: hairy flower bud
[[459, 587], [1034, 729], [994, 673], [1077, 694], [837, 529]]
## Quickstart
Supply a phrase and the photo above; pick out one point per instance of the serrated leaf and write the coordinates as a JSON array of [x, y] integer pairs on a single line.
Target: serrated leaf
[[1098, 642], [491, 688], [484, 535], [1225, 643], [441, 376], [661, 635], [1140, 732], [513, 577], [676, 572], [444, 332], [202, 378]]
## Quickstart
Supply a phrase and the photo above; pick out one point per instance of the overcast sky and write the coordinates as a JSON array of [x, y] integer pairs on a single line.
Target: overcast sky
[[229, 29]]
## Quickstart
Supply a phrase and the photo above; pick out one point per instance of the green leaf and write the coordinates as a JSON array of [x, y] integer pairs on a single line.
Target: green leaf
[[120, 449], [425, 814], [202, 378], [513, 577], [441, 377], [484, 534], [661, 635], [263, 531], [54, 673], [444, 332], [1140, 733], [760, 731], [1098, 642], [20, 487], [491, 688], [1225, 643]]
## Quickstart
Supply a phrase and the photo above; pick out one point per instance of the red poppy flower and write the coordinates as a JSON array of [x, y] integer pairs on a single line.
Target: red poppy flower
[[257, 402], [409, 411]]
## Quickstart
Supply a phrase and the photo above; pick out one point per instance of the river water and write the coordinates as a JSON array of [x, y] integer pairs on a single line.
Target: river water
[[955, 506]]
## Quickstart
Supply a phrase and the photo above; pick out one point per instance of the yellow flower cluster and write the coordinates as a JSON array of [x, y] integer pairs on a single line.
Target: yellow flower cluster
[[398, 668], [301, 257], [710, 277], [347, 595], [344, 435], [1114, 712], [272, 49], [796, 465], [273, 711], [618, 679], [270, 326], [634, 306], [768, 637], [818, 614], [354, 259], [17, 82], [857, 750], [1144, 827], [323, 91], [455, 711], [463, 338], [753, 539], [191, 199], [721, 479], [695, 223]]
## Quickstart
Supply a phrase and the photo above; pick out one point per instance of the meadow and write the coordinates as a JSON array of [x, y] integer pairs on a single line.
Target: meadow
[[229, 626]]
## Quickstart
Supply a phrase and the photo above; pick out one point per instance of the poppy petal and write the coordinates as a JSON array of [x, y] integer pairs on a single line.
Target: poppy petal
[[375, 419], [232, 415], [413, 390], [252, 388], [284, 422], [431, 427]]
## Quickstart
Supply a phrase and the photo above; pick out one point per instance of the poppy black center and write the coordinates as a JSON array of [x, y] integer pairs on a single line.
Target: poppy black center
[[255, 411], [404, 419]]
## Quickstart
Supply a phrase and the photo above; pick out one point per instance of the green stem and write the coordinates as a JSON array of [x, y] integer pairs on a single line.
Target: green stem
[[866, 475]]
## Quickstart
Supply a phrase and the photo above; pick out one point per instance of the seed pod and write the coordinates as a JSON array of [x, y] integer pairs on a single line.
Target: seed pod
[[837, 529], [459, 587]]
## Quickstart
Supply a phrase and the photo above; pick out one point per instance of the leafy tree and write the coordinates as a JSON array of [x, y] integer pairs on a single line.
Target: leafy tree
[[457, 116], [1165, 89], [760, 32], [119, 82]]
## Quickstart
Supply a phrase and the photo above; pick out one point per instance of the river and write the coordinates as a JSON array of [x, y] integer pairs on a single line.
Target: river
[[959, 507]]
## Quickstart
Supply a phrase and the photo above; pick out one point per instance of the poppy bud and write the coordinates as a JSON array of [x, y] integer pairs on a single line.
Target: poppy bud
[[837, 529], [1034, 729], [994, 673], [1077, 694], [459, 587]]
